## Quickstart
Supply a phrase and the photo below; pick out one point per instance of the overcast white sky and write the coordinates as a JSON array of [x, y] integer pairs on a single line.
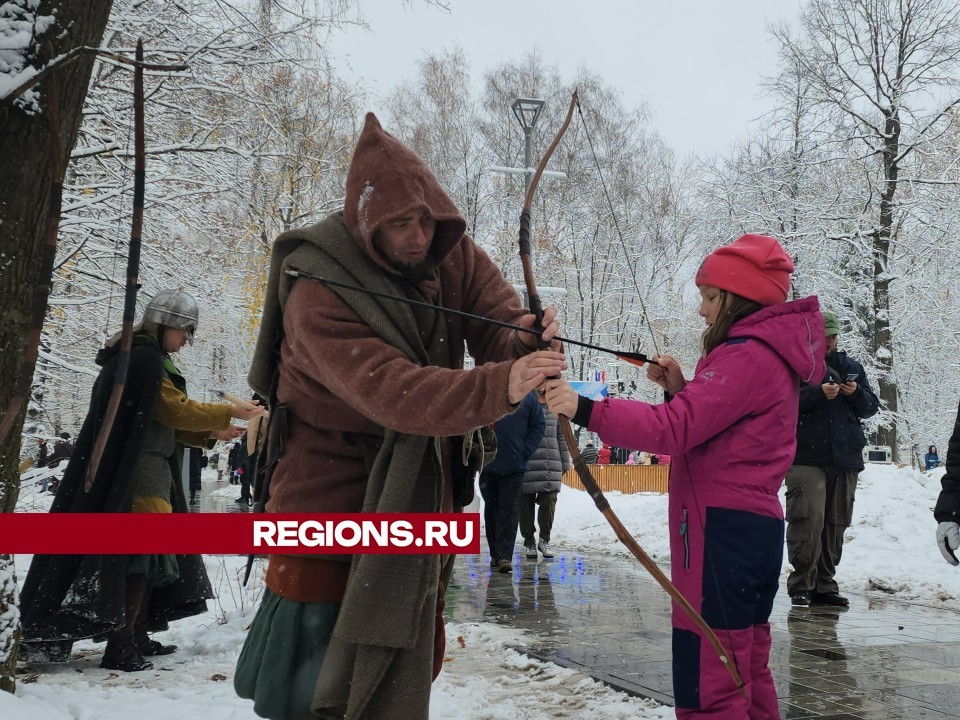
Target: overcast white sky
[[697, 63]]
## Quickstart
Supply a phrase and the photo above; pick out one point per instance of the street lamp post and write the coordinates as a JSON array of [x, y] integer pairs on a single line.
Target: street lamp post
[[527, 111]]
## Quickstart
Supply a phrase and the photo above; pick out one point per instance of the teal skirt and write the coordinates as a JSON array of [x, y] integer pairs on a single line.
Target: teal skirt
[[281, 657], [160, 569]]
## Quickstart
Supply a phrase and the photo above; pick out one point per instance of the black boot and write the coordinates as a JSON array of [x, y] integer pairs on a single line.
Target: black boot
[[121, 653], [146, 646], [150, 648]]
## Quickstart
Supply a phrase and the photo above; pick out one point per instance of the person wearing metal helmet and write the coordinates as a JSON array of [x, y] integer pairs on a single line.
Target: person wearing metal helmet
[[171, 310], [71, 597]]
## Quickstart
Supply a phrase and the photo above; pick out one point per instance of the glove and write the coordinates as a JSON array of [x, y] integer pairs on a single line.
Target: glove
[[948, 540]]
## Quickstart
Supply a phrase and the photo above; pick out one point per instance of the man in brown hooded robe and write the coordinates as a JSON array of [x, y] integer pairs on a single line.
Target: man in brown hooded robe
[[371, 400]]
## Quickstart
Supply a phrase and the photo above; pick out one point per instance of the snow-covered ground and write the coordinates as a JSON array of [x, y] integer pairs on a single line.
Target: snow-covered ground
[[482, 677], [890, 548]]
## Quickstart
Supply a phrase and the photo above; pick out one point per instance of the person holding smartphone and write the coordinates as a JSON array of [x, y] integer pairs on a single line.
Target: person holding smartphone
[[822, 482]]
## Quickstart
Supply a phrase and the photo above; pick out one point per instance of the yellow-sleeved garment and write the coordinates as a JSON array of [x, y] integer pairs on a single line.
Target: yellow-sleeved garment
[[151, 504], [192, 423], [192, 420]]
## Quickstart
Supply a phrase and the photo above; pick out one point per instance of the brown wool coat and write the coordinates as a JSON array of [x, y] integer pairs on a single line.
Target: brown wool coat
[[349, 392], [337, 376], [341, 382]]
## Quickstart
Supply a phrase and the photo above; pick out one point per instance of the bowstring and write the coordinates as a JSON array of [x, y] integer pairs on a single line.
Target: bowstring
[[646, 318], [616, 225]]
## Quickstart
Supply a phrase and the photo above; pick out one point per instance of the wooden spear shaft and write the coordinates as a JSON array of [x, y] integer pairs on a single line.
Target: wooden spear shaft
[[133, 280]]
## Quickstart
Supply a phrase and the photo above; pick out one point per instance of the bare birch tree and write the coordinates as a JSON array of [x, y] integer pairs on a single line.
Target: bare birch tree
[[887, 69]]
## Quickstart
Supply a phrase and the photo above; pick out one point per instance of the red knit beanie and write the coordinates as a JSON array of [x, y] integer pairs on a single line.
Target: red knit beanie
[[752, 266]]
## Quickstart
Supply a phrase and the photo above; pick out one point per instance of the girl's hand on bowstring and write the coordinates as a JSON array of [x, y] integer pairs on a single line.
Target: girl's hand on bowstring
[[529, 372], [666, 372], [551, 328], [561, 398]]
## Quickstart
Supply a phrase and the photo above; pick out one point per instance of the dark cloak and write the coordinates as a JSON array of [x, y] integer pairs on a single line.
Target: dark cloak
[[71, 597]]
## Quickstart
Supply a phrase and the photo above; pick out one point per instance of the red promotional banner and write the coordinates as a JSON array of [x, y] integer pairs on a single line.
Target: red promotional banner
[[239, 533]]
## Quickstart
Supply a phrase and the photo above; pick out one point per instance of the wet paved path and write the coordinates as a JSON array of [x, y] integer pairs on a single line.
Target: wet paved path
[[880, 659], [218, 497]]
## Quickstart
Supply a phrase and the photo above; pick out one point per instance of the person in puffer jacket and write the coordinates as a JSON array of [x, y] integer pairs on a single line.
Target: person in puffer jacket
[[731, 434], [541, 485]]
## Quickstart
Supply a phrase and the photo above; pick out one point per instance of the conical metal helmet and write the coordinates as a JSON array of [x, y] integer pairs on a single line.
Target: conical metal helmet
[[174, 309]]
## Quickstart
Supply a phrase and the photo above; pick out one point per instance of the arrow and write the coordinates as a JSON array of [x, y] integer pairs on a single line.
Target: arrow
[[634, 358]]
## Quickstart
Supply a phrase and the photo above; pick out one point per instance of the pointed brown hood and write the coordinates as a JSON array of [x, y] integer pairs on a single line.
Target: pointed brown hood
[[386, 179]]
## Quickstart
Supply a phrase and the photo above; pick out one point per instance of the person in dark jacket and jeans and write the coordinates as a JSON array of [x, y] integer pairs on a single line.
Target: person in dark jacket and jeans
[[541, 485], [822, 482], [518, 437]]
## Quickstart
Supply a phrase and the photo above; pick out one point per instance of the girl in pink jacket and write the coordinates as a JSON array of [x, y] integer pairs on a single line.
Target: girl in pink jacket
[[731, 431]]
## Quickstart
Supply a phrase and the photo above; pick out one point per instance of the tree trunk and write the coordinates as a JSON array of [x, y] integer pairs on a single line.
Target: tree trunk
[[9, 619], [882, 335], [24, 199]]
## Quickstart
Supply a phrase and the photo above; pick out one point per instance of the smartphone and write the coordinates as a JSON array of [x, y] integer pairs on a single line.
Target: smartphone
[[852, 377]]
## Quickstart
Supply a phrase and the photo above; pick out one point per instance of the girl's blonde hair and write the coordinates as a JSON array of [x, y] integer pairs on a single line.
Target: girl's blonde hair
[[733, 307]]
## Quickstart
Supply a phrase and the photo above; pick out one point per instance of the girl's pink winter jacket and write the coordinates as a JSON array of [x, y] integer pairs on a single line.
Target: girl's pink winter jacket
[[732, 431], [732, 434]]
